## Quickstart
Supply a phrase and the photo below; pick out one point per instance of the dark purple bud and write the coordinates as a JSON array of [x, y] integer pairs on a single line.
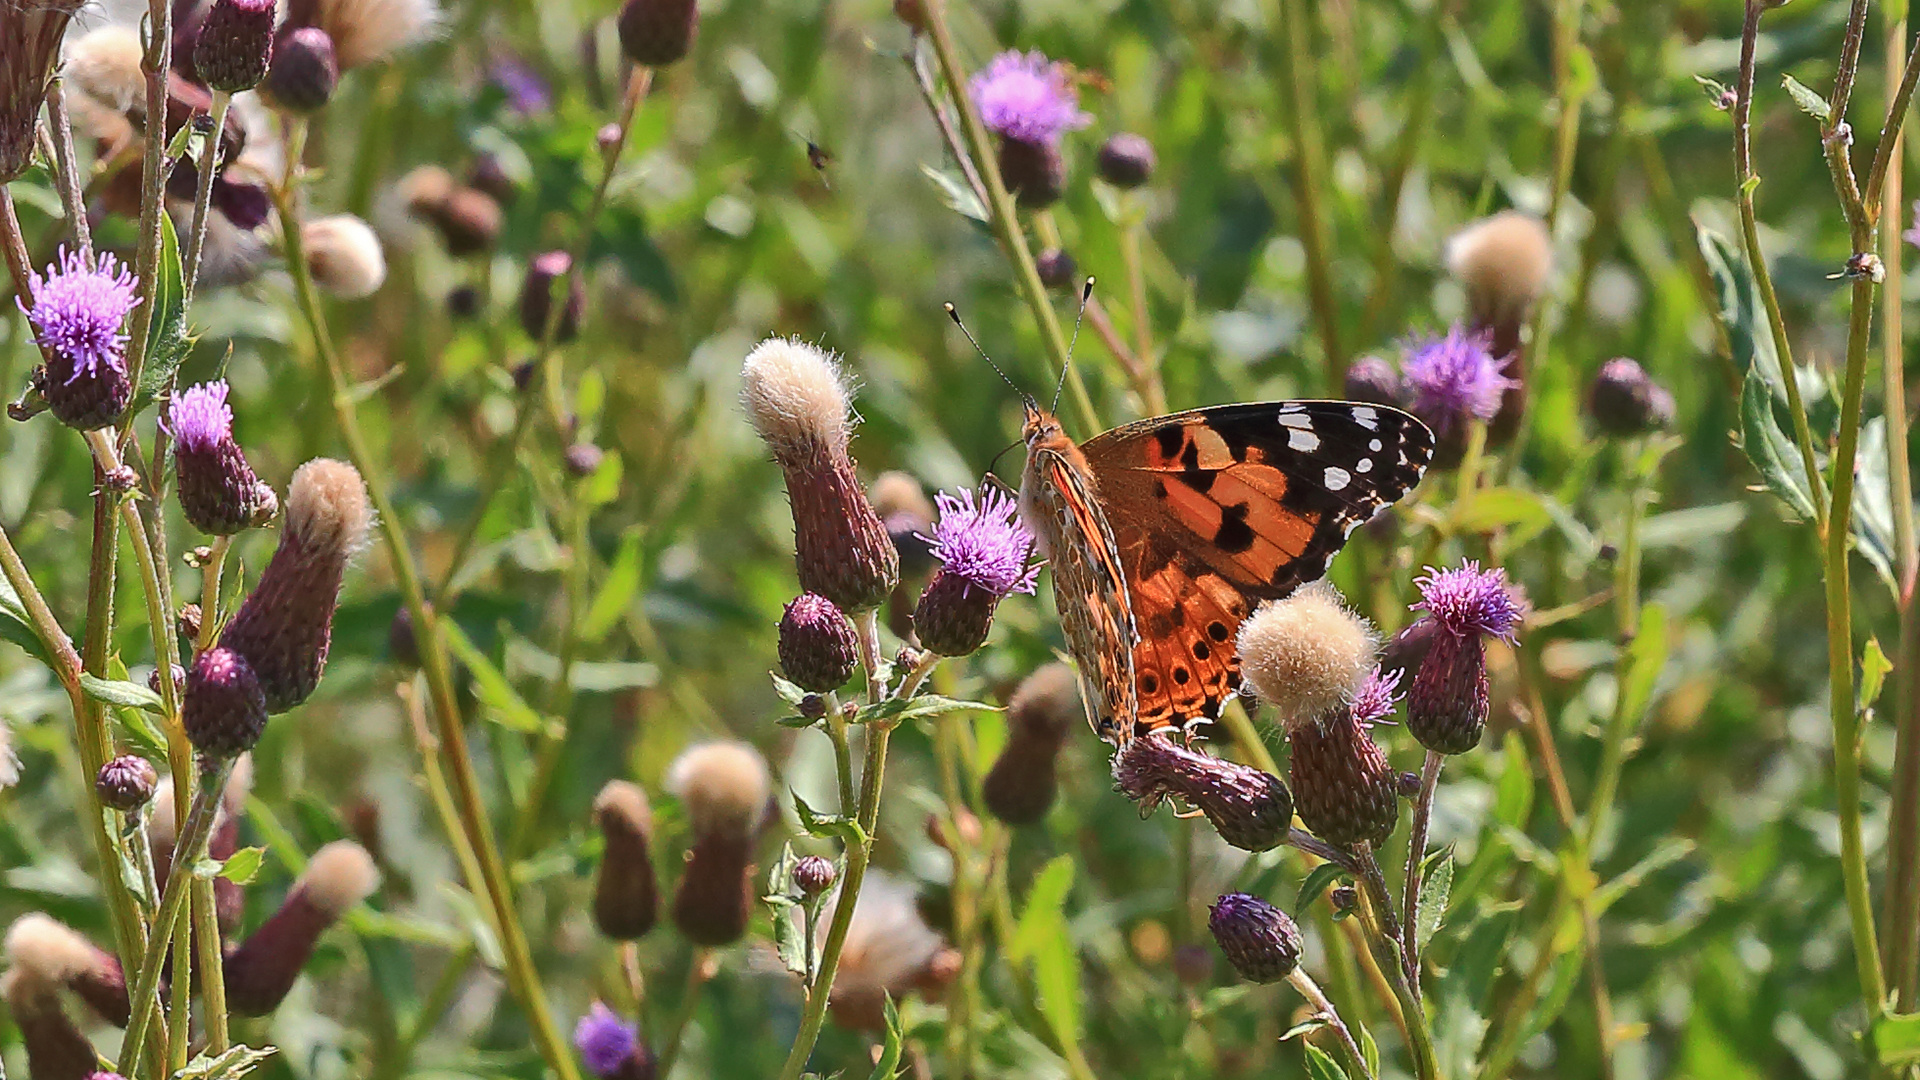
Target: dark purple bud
[[817, 646], [403, 647], [658, 32], [1034, 171], [813, 876], [626, 897], [245, 206], [304, 72], [536, 297], [488, 174], [1057, 269], [468, 221], [1259, 940], [582, 460], [262, 969], [235, 44], [463, 302], [225, 710], [1126, 160], [1343, 787], [1624, 400], [126, 783], [219, 494], [1250, 809], [1023, 782]]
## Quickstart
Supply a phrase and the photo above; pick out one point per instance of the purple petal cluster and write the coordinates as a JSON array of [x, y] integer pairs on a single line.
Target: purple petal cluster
[[1469, 601], [605, 1041], [1027, 97], [1377, 696], [199, 418], [1455, 377], [78, 310], [983, 542]]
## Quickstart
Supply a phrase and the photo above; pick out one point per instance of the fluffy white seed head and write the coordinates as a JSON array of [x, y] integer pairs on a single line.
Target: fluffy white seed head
[[344, 256], [625, 805], [1503, 262], [327, 506], [44, 953], [797, 397], [898, 493], [339, 876], [723, 786], [368, 31], [1306, 655], [103, 65]]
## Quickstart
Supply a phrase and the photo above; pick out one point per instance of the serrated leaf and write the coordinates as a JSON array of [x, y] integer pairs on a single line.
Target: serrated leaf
[[232, 1064], [167, 341], [798, 722], [922, 707], [617, 590], [955, 192], [16, 627], [1810, 103], [1872, 525], [1321, 1066], [1435, 885], [1305, 1027], [1319, 880], [242, 866], [788, 691], [827, 826], [120, 692], [1772, 453], [888, 1065]]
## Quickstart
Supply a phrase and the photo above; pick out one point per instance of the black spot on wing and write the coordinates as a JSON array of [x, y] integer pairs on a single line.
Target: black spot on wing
[[1170, 438], [1234, 534]]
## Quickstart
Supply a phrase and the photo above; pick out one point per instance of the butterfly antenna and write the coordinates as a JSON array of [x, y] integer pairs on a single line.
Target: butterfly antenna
[[954, 314], [1086, 294]]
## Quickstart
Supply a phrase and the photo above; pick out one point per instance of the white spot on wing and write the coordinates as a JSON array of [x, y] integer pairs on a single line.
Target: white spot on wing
[[1374, 445], [1337, 478], [1365, 466], [1302, 440], [1367, 417], [1295, 419]]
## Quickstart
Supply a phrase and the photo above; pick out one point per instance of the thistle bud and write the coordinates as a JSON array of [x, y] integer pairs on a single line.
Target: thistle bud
[[186, 621], [235, 44], [403, 646], [304, 71], [658, 32], [818, 649], [983, 548], [1030, 102], [219, 494], [814, 875], [261, 970], [1305, 655], [286, 624], [225, 709], [45, 955], [1503, 262], [468, 221], [912, 13], [536, 297], [77, 314], [56, 1047], [626, 898], [30, 36], [1250, 809], [1035, 172], [611, 1047], [1259, 940], [1023, 782], [796, 396], [1372, 379], [723, 786], [344, 256], [126, 783], [1624, 400], [1057, 269], [1344, 789], [1448, 704], [1126, 160]]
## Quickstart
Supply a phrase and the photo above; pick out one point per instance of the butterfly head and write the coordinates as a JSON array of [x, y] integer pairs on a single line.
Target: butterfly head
[[1042, 428]]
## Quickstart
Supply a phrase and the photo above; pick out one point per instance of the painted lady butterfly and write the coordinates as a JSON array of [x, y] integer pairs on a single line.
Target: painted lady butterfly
[[1164, 533]]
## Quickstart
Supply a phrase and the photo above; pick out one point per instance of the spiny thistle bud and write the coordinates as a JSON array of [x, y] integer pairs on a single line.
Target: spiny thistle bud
[[1624, 400], [1022, 784], [1372, 379], [1343, 787], [658, 32], [261, 970], [45, 955], [814, 875], [1259, 940], [235, 44], [225, 709], [536, 297], [611, 1047], [286, 624], [30, 34], [76, 317], [626, 897], [889, 950], [1250, 809], [1057, 269], [126, 783], [983, 549], [1126, 160], [304, 71], [723, 787], [1305, 655], [1035, 173], [818, 650], [219, 494], [468, 221], [582, 459], [1030, 102], [464, 302], [796, 397], [1448, 703], [344, 256]]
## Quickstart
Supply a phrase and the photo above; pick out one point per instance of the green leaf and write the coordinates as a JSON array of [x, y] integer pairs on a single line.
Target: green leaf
[[1369, 1050], [1321, 1066], [888, 1066], [1872, 523], [242, 866], [167, 341], [788, 691], [1810, 103], [1434, 887], [922, 707], [1896, 1039], [128, 695], [1041, 917], [234, 1063], [1305, 1027], [1646, 658], [1668, 852], [1740, 308], [827, 826], [1771, 451], [1513, 796], [1874, 667], [490, 684], [1318, 881], [604, 485], [1490, 509], [789, 934], [955, 193], [17, 627], [616, 591]]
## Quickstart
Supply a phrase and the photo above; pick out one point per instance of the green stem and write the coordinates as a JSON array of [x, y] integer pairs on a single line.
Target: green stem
[[67, 170], [1377, 911], [1416, 854], [208, 165], [1324, 1009], [155, 62]]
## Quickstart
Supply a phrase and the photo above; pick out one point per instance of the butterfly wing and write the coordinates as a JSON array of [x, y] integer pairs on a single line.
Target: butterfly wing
[[1216, 509], [1089, 584]]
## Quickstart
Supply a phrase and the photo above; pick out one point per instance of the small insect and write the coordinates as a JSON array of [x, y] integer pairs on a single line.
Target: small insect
[[817, 156], [1164, 533]]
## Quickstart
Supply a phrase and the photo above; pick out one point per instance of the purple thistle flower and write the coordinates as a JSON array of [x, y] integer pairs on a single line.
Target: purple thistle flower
[[199, 418], [1455, 377], [1027, 97], [527, 93], [219, 492], [1374, 702], [77, 313], [1470, 601], [983, 542], [606, 1042]]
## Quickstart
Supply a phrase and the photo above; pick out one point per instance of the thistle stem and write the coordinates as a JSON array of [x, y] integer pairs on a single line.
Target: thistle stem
[[1324, 1009], [1416, 856], [66, 169], [208, 166]]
